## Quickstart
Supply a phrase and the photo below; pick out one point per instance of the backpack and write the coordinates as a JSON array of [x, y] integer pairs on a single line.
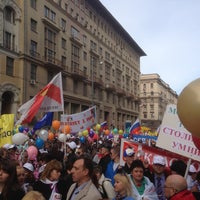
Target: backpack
[[102, 189]]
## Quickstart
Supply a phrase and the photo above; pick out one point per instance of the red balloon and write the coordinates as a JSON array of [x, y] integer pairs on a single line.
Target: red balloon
[[196, 141]]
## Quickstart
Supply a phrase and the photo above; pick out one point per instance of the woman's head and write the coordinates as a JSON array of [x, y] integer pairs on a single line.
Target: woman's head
[[33, 195], [52, 170], [122, 184], [137, 170]]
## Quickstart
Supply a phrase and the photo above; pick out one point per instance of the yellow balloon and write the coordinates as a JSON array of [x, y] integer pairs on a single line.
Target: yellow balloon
[[85, 133], [98, 126], [188, 107]]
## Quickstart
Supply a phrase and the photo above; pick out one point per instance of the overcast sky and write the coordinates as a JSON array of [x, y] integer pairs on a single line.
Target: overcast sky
[[169, 33]]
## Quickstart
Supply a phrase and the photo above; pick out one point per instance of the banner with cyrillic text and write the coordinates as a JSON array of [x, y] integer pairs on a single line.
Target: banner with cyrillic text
[[174, 137], [80, 121], [6, 129]]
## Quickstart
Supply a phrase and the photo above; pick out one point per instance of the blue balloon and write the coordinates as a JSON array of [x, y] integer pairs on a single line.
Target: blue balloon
[[39, 143], [82, 139], [21, 129], [125, 135]]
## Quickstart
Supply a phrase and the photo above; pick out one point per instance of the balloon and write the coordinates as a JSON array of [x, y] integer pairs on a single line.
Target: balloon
[[50, 136], [115, 130], [121, 132], [188, 107], [19, 138], [43, 134], [85, 132], [39, 143], [110, 136], [62, 137], [66, 129], [82, 139], [97, 127], [91, 133], [55, 124], [80, 134], [196, 141], [21, 129], [32, 152], [96, 137], [26, 129], [106, 132]]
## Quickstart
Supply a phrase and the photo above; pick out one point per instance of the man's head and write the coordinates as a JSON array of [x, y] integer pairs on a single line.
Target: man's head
[[174, 184], [82, 170], [129, 155], [158, 164]]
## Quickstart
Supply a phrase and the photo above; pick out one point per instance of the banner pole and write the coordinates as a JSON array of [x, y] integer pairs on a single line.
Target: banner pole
[[187, 169]]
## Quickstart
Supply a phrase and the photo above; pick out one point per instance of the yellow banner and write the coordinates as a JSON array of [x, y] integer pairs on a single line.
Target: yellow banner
[[6, 129]]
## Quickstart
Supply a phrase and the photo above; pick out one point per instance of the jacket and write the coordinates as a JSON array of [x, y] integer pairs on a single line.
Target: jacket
[[89, 192], [183, 195]]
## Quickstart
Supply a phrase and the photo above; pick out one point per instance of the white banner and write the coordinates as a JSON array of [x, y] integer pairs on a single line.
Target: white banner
[[174, 137], [80, 121]]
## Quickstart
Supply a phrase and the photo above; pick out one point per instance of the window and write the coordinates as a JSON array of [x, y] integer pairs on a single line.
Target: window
[[85, 56], [74, 32], [33, 25], [64, 60], [75, 57], [33, 48], [33, 4], [9, 15], [8, 40], [64, 43], [49, 14], [63, 24], [33, 71], [9, 66], [93, 45]]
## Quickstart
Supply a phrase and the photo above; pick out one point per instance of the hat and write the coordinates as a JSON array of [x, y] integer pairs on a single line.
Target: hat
[[8, 146], [72, 145], [192, 169], [129, 152], [28, 166], [159, 160]]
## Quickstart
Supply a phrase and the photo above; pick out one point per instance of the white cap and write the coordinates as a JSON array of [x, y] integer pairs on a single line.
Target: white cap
[[192, 169], [29, 166], [72, 145], [8, 146], [159, 160]]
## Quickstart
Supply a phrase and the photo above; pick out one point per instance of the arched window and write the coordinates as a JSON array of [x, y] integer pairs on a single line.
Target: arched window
[[7, 101], [9, 14]]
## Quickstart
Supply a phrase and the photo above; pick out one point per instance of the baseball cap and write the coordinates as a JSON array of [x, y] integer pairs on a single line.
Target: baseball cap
[[192, 169], [8, 146], [72, 145], [129, 152], [28, 166], [159, 160]]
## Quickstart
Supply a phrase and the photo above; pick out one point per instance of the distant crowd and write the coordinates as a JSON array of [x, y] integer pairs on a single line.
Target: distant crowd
[[91, 171]]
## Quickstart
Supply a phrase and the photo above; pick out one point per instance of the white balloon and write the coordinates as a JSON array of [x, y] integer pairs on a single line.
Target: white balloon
[[19, 138], [43, 134], [62, 137]]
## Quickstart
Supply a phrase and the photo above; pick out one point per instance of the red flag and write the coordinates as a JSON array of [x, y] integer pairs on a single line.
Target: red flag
[[49, 99]]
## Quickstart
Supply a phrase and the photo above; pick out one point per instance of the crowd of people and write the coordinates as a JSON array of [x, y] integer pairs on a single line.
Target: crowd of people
[[92, 171]]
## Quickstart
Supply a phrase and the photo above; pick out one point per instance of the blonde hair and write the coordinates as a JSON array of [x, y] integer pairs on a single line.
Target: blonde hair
[[53, 164], [122, 177], [33, 195]]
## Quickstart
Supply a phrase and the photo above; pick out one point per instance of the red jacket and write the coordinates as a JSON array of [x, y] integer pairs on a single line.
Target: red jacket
[[183, 195]]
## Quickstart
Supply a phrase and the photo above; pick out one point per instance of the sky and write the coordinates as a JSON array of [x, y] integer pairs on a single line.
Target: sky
[[168, 31]]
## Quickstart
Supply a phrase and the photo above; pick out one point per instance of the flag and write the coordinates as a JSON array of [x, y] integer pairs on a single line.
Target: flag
[[135, 128], [45, 121], [49, 99], [104, 125]]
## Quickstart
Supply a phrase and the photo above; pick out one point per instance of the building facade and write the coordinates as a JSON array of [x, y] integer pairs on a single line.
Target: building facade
[[155, 94], [99, 61]]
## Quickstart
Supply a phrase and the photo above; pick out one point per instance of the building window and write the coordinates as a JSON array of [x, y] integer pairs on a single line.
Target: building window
[[85, 56], [9, 15], [8, 40], [74, 32], [151, 85], [64, 60], [75, 57], [33, 25], [33, 48], [33, 4], [49, 14], [33, 71], [93, 45], [9, 66], [63, 24], [64, 43]]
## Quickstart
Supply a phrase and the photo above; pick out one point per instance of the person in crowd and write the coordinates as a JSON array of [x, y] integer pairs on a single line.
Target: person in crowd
[[122, 187], [159, 175], [33, 195], [104, 184], [24, 157], [81, 150], [178, 167], [96, 152], [176, 188], [114, 164], [55, 152], [49, 183], [105, 156], [83, 187], [129, 156], [12, 151], [196, 187], [191, 177], [142, 187], [29, 176], [9, 186], [3, 153]]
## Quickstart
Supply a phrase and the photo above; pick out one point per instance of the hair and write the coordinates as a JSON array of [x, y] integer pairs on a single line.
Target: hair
[[11, 183], [116, 149], [179, 167], [122, 177], [53, 164], [137, 163], [33, 195], [98, 169]]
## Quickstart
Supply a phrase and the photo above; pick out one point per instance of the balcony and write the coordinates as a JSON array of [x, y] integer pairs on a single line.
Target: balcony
[[52, 62], [77, 73], [109, 87], [35, 54], [75, 39], [97, 81], [120, 92], [130, 96]]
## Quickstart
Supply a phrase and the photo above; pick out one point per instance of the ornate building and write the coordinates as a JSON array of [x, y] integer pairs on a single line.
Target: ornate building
[[99, 61], [155, 94]]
